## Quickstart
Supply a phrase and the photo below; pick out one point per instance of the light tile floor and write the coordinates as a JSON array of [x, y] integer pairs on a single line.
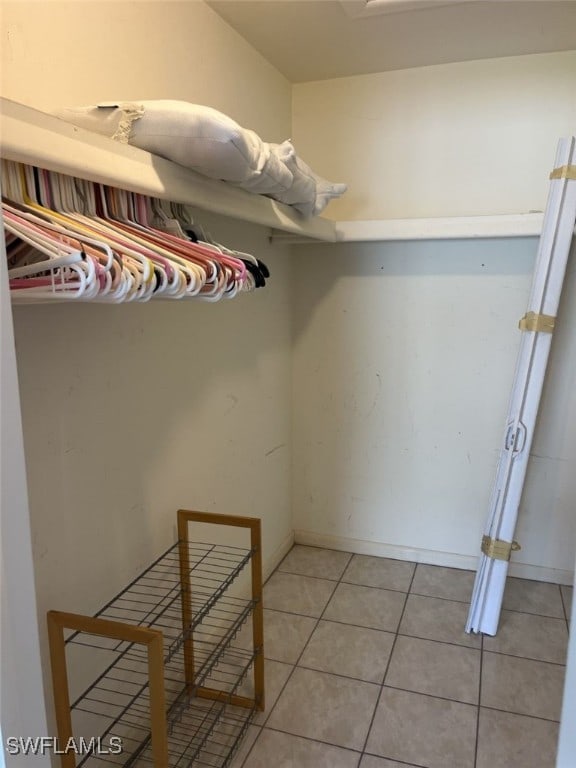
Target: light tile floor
[[368, 666]]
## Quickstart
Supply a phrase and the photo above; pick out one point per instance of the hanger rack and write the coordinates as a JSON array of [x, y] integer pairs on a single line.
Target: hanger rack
[[73, 240]]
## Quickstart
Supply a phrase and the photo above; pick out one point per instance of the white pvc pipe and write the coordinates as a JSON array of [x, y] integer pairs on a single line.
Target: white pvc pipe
[[549, 271]]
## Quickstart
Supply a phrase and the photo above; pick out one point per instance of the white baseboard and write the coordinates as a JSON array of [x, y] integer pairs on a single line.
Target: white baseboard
[[539, 573], [273, 561], [428, 556]]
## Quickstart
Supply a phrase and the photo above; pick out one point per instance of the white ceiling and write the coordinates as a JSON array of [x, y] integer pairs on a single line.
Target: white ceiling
[[322, 39]]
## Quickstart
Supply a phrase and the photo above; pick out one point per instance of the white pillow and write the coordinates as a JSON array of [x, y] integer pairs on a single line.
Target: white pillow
[[108, 120], [212, 144], [192, 135], [309, 193]]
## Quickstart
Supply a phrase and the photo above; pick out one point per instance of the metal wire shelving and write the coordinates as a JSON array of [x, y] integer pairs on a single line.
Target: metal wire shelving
[[167, 681]]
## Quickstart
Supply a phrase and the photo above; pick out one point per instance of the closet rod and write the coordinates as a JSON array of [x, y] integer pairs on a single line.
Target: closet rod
[[35, 138]]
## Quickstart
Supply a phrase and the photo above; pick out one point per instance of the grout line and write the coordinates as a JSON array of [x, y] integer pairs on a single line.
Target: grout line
[[441, 642], [421, 693], [469, 704], [341, 580], [359, 626], [433, 696], [511, 610], [314, 741], [416, 637], [334, 621], [339, 674], [319, 619], [525, 658], [293, 613], [564, 608], [309, 637], [394, 760], [308, 576], [440, 597], [389, 661], [417, 594], [260, 729], [384, 631], [278, 568], [520, 714], [375, 586], [532, 613]]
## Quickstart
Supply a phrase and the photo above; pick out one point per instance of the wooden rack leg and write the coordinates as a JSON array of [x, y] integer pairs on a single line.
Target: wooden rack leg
[[257, 614], [152, 639], [186, 597], [186, 516], [157, 702], [60, 686]]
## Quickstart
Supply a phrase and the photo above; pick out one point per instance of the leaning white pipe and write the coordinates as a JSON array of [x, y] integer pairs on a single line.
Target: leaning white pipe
[[549, 271]]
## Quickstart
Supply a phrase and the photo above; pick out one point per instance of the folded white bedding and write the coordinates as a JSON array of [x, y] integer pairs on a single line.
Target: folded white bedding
[[210, 143]]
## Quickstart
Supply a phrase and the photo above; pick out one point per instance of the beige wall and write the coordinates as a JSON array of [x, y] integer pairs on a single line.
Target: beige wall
[[403, 364], [85, 51], [474, 138], [404, 352]]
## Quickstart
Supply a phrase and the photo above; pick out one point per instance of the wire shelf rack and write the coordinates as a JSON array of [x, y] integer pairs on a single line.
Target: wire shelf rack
[[199, 730], [153, 598], [167, 685]]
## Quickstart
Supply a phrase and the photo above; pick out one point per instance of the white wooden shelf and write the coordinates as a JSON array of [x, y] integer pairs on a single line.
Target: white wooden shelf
[[36, 138], [505, 225], [448, 228]]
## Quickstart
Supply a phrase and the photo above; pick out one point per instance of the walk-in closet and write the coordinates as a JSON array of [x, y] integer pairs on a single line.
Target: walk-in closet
[[273, 414]]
